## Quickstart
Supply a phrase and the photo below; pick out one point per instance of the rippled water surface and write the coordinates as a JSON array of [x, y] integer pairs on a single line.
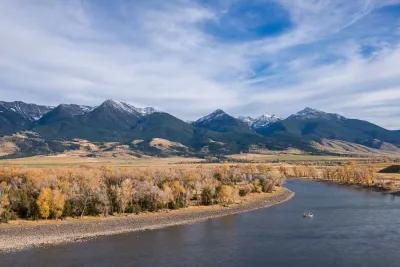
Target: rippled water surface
[[351, 227]]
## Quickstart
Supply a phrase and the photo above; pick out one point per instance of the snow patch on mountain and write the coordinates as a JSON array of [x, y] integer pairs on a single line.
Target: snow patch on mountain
[[124, 107], [247, 119], [86, 109], [31, 112], [310, 113], [146, 111], [216, 114], [261, 121]]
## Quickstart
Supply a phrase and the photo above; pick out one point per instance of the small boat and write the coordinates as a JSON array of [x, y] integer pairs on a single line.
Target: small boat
[[308, 214]]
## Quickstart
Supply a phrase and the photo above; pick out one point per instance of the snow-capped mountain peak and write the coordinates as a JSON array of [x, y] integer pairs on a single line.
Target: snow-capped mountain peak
[[216, 114], [261, 121], [265, 120], [124, 107], [31, 112], [247, 119], [310, 113], [118, 105], [85, 109]]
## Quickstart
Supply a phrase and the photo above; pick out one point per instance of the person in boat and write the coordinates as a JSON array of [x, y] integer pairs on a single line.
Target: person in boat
[[308, 214]]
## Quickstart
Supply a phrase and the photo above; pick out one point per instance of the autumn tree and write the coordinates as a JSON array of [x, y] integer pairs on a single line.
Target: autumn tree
[[4, 203], [44, 202], [57, 203], [125, 195], [225, 194]]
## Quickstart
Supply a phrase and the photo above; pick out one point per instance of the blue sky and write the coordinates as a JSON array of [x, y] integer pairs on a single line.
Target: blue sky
[[191, 57]]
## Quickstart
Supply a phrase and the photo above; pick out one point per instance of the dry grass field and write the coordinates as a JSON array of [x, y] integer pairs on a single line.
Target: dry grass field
[[288, 157], [61, 161], [273, 160], [268, 158]]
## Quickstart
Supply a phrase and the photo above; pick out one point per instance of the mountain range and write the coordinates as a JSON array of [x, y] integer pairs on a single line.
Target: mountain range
[[29, 129]]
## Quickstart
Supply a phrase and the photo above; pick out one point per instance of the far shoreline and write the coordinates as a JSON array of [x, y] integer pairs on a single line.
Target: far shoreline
[[28, 234]]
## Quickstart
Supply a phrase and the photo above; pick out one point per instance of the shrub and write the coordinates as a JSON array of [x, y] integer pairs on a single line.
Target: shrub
[[267, 185], [179, 194], [5, 214], [245, 189], [225, 194], [23, 202], [207, 196]]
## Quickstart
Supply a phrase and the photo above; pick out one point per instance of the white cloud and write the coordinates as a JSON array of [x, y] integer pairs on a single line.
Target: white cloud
[[157, 53]]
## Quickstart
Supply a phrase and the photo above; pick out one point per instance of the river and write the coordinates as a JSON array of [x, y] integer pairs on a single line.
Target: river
[[351, 227]]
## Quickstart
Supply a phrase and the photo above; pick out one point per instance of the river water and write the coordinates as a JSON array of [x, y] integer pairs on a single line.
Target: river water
[[351, 227]]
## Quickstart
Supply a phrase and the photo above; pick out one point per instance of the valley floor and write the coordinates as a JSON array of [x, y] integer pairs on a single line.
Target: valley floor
[[24, 234]]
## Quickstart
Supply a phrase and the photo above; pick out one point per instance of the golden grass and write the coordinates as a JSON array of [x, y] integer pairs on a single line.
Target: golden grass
[[60, 161], [288, 157]]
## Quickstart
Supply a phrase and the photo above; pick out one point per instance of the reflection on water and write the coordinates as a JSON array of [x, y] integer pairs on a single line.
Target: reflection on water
[[351, 227]]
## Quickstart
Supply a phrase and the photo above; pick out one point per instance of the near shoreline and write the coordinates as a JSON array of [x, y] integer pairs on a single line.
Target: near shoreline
[[23, 235]]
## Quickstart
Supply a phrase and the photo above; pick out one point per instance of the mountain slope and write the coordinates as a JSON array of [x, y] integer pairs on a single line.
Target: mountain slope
[[28, 143], [112, 115], [63, 111], [219, 121], [314, 125], [30, 112], [163, 125], [221, 133], [145, 129], [16, 116], [111, 121]]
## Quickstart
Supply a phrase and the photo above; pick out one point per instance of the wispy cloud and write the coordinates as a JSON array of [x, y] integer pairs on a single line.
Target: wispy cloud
[[340, 56]]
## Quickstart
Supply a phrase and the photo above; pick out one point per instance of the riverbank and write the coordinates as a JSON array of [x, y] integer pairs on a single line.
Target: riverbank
[[24, 234], [375, 187]]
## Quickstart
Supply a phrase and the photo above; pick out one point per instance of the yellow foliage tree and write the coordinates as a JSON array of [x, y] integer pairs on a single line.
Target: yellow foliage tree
[[126, 194], [4, 201], [44, 202], [50, 202], [226, 194], [57, 204]]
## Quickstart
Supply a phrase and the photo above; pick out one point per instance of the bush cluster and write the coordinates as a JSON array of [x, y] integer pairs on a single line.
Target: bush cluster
[[348, 173], [56, 193]]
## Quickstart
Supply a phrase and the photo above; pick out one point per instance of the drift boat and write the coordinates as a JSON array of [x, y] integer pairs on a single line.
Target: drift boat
[[308, 214]]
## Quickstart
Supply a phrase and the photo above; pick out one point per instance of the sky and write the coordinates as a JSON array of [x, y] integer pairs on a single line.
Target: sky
[[189, 58]]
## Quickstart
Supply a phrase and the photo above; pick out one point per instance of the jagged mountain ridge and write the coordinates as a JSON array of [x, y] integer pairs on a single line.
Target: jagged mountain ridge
[[16, 116], [314, 125], [220, 121], [261, 121], [63, 111], [29, 111], [110, 121], [216, 133]]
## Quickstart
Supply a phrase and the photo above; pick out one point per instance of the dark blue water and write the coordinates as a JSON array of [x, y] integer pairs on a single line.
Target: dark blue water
[[351, 227]]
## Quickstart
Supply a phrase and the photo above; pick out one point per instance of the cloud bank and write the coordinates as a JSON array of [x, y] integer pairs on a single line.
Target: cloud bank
[[190, 57]]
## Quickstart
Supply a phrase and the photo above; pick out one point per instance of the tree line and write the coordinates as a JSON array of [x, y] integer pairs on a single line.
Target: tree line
[[30, 193], [347, 173]]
